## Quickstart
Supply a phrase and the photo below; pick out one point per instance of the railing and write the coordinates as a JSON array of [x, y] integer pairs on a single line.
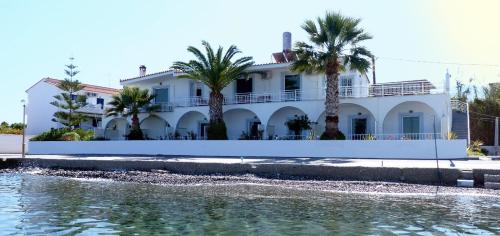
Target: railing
[[92, 108], [162, 107], [407, 136], [459, 106], [377, 90], [402, 89]]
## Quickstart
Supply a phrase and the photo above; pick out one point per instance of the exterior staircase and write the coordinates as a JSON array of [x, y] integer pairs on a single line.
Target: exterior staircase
[[492, 181], [466, 179], [459, 124]]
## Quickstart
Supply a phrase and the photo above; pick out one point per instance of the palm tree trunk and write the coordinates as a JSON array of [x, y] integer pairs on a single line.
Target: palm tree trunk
[[135, 122], [332, 101], [215, 106], [216, 129]]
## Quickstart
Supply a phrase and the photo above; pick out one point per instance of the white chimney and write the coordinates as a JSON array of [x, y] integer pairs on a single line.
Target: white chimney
[[287, 41], [142, 70], [447, 79]]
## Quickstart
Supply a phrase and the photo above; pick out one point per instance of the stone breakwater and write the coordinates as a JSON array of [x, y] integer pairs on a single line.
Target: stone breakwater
[[162, 177]]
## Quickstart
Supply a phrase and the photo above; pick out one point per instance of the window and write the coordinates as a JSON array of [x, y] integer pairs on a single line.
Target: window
[[195, 89], [244, 85], [346, 81], [100, 101], [161, 95], [292, 82]]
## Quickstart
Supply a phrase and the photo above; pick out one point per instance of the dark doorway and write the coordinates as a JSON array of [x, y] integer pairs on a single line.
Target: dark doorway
[[359, 127], [254, 130], [244, 85]]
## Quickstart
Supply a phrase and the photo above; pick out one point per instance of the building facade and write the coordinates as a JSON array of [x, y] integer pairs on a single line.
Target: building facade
[[260, 106], [40, 112]]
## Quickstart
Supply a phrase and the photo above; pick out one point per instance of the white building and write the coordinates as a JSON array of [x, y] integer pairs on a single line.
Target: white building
[[258, 107], [274, 95], [40, 112]]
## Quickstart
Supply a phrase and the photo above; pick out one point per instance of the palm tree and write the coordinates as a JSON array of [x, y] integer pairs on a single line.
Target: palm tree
[[130, 102], [334, 48], [216, 71]]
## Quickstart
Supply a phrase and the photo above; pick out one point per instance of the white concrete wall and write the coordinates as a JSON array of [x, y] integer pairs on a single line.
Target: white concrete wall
[[10, 143], [387, 149], [39, 111]]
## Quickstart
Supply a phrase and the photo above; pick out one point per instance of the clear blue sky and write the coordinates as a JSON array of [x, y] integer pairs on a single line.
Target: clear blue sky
[[110, 39]]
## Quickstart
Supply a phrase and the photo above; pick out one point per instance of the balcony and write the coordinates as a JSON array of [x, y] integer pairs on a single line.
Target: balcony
[[377, 90], [163, 107]]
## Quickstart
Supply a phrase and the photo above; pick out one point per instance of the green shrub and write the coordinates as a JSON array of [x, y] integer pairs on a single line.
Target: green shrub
[[217, 131], [135, 134], [85, 135], [65, 134], [70, 136], [338, 136], [51, 135]]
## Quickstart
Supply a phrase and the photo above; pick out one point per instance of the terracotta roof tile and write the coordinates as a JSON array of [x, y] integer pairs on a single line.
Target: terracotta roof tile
[[86, 87]]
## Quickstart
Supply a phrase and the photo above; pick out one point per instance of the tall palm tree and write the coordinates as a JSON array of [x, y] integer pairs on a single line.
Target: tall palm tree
[[130, 102], [334, 48], [216, 70]]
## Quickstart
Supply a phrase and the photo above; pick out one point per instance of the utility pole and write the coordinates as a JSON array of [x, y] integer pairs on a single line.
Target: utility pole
[[23, 151], [496, 131]]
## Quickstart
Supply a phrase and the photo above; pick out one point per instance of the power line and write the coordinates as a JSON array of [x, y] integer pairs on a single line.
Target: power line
[[437, 62]]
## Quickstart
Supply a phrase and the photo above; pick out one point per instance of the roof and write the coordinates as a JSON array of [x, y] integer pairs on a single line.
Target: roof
[[142, 76], [86, 87]]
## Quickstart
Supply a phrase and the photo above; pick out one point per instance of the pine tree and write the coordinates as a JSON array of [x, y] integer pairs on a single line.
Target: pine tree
[[69, 101]]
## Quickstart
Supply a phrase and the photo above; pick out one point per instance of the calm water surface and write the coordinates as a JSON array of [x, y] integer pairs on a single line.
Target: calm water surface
[[54, 205]]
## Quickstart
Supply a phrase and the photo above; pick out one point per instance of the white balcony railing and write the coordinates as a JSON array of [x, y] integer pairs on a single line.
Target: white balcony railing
[[377, 90], [407, 136]]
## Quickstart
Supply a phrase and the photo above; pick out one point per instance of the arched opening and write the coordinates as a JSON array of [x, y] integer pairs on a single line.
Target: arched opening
[[155, 128], [117, 129], [191, 125], [355, 121], [411, 120], [277, 128], [243, 124]]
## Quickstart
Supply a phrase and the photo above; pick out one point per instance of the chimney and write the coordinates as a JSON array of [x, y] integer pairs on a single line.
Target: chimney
[[287, 41], [142, 70]]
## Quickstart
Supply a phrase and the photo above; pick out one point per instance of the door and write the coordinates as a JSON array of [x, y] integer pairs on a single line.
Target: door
[[411, 127], [254, 130], [359, 128], [203, 131]]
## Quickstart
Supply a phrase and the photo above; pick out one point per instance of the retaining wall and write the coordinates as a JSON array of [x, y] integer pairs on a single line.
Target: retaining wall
[[376, 149], [10, 143]]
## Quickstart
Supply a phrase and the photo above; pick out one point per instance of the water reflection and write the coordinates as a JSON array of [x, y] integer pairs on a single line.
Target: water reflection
[[40, 205]]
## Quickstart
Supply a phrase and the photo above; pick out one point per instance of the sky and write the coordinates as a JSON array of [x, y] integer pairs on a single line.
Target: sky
[[111, 39]]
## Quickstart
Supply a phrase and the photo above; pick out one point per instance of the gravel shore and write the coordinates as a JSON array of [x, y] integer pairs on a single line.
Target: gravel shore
[[164, 178]]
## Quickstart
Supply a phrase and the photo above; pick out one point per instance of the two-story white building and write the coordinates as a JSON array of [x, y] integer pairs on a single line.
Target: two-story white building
[[40, 112], [259, 107]]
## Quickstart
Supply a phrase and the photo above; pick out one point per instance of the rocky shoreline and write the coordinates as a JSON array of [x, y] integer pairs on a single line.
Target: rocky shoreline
[[162, 177]]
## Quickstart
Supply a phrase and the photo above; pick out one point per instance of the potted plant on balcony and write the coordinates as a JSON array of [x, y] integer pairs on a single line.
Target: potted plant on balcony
[[216, 70], [335, 47]]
